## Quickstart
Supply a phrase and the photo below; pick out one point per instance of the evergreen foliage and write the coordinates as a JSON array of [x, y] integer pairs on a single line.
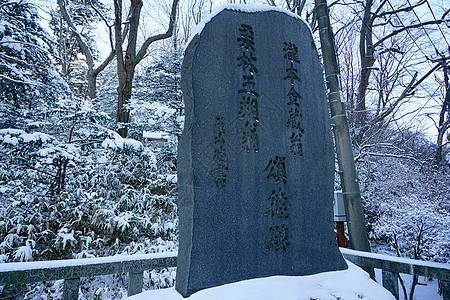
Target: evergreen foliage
[[29, 84], [157, 93], [70, 187]]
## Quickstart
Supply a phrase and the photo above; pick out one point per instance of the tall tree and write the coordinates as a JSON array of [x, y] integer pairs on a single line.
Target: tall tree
[[129, 58], [28, 79], [156, 103], [387, 17], [444, 116], [351, 192], [83, 44]]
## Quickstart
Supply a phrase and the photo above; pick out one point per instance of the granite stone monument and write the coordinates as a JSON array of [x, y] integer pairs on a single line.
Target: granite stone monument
[[256, 160]]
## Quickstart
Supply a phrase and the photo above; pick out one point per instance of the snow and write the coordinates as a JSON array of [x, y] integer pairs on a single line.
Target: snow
[[65, 236], [243, 8], [172, 178], [12, 43], [122, 220], [11, 136], [157, 135], [46, 151], [25, 253], [2, 26], [23, 266], [426, 290], [396, 259], [10, 140], [349, 284], [121, 143]]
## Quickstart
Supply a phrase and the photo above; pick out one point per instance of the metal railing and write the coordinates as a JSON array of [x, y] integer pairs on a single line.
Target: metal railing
[[135, 265]]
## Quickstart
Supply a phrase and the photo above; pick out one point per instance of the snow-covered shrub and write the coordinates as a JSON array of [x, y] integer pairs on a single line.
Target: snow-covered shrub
[[407, 205], [65, 196]]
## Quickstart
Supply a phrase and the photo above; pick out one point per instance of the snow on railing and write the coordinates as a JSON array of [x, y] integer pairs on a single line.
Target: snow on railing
[[391, 266], [72, 270]]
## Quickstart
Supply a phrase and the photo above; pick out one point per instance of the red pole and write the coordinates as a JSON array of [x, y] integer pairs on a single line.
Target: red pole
[[340, 234]]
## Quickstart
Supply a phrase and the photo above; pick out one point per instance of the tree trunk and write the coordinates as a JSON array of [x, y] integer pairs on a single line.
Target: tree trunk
[[443, 126], [124, 96], [126, 64], [352, 197], [366, 52], [92, 83]]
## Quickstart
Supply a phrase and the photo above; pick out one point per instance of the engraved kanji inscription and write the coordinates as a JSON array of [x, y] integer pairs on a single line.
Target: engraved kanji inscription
[[247, 62], [248, 106], [279, 238], [291, 52], [294, 119], [251, 137], [220, 156], [296, 142], [276, 169], [248, 86], [248, 103], [246, 38], [278, 204]]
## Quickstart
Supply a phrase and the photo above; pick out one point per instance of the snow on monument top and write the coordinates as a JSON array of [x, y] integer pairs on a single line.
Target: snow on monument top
[[248, 8]]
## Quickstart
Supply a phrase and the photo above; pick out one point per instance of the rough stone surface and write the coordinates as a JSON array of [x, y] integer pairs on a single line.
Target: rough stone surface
[[255, 162]]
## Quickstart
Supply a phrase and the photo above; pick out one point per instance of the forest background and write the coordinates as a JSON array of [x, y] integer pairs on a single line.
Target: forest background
[[82, 80]]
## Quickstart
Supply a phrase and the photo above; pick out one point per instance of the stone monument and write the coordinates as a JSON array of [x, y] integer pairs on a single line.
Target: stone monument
[[256, 160]]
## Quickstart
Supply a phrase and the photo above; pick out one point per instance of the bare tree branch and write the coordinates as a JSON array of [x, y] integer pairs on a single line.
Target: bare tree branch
[[404, 9], [92, 72], [111, 42], [445, 14], [395, 32], [405, 93], [140, 55], [80, 40], [360, 156]]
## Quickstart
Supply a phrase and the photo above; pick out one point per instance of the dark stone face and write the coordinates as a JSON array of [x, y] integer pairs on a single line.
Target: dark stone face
[[256, 161]]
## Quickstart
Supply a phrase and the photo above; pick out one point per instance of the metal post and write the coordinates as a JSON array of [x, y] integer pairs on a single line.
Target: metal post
[[339, 217]]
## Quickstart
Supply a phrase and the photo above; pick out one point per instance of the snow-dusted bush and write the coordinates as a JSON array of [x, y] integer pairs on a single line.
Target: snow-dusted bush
[[119, 191], [84, 191], [70, 187], [406, 198]]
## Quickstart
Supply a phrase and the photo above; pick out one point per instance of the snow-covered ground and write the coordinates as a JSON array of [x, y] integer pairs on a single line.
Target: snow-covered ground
[[349, 284]]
